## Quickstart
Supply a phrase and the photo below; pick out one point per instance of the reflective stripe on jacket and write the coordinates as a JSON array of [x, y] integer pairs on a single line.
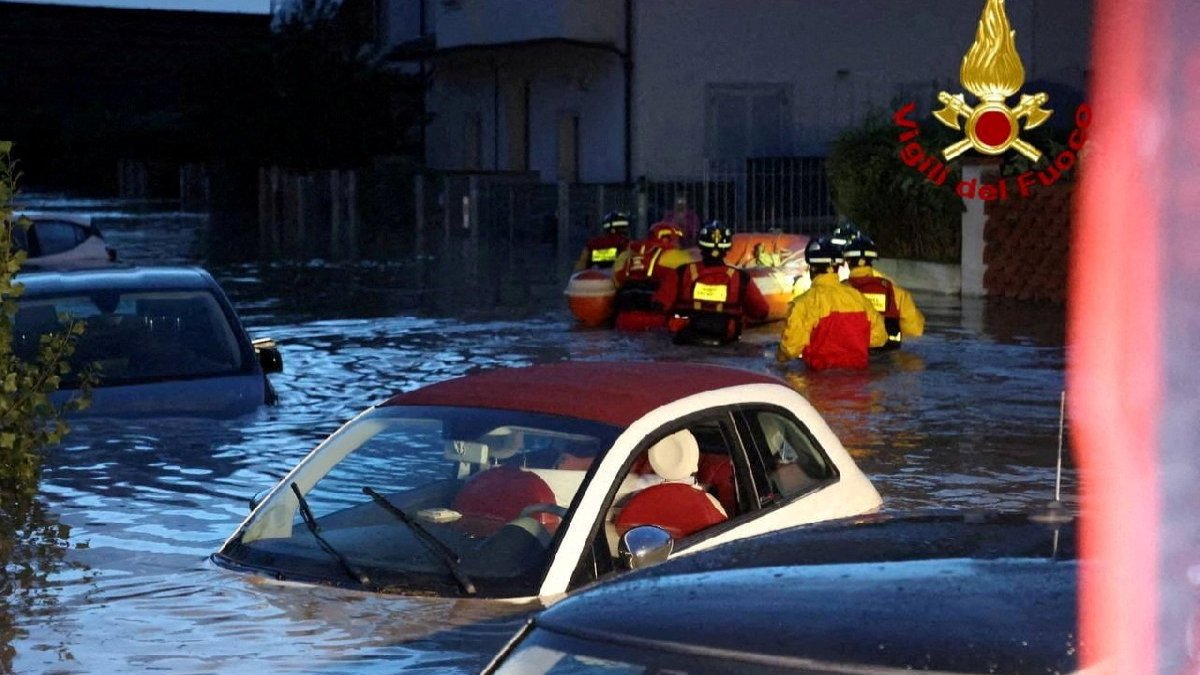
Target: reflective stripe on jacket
[[602, 251], [831, 326], [639, 262], [909, 321], [881, 294]]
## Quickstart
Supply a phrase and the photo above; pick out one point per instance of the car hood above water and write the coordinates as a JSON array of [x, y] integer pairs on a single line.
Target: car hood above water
[[935, 594]]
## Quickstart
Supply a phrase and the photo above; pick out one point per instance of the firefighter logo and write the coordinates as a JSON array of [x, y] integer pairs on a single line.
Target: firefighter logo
[[992, 71]]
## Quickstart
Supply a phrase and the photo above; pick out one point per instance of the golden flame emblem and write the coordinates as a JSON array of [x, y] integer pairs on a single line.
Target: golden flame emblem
[[992, 71]]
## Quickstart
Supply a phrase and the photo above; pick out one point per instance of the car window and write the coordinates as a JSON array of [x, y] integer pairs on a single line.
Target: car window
[[701, 494], [137, 336], [54, 236], [785, 459], [492, 487]]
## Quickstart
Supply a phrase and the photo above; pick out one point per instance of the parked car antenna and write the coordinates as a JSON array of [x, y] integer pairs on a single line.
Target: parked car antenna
[[1062, 416], [1056, 512]]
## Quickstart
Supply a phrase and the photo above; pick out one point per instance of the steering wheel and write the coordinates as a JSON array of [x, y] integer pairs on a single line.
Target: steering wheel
[[544, 507], [547, 514]]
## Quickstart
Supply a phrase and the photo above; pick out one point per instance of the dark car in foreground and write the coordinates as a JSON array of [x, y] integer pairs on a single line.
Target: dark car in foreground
[[947, 593], [162, 340]]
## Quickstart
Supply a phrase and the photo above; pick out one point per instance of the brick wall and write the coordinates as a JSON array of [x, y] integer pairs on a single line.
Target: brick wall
[[1027, 245]]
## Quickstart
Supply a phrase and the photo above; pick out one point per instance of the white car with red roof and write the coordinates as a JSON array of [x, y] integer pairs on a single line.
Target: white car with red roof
[[519, 483]]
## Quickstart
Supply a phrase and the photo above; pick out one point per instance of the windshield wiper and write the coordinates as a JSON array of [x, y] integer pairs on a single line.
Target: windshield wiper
[[311, 522], [434, 544]]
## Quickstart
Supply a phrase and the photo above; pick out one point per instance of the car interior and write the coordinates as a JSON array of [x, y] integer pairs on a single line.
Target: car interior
[[635, 504]]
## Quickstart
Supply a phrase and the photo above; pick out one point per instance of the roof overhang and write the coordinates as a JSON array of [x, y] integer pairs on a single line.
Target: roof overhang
[[425, 48]]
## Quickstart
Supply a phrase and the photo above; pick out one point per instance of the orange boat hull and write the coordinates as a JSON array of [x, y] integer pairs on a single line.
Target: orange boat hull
[[591, 297]]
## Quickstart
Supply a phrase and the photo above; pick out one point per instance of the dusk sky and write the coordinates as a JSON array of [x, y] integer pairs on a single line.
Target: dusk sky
[[250, 6]]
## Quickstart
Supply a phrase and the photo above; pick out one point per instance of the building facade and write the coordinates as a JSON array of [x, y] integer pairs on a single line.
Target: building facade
[[604, 91]]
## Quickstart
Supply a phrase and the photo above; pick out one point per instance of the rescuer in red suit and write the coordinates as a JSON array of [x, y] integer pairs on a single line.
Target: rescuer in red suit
[[639, 272], [601, 252], [710, 300]]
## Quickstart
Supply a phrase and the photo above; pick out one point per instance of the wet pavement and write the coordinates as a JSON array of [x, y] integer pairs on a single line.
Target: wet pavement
[[967, 416]]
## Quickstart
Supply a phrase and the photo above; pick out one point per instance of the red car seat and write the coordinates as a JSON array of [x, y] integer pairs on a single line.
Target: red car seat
[[678, 507], [675, 507], [491, 498]]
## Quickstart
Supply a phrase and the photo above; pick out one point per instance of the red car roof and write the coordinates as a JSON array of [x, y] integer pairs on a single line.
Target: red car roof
[[612, 392]]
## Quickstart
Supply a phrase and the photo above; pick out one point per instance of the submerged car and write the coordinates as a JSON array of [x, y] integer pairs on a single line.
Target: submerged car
[[518, 483], [54, 239], [161, 340], [891, 594]]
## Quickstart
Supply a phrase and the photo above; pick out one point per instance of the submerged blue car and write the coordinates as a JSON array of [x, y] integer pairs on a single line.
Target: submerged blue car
[[162, 340]]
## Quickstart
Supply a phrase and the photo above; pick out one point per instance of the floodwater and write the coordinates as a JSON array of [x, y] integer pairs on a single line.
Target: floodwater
[[968, 417]]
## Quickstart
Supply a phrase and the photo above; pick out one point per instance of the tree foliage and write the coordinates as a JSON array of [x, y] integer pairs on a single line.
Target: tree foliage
[[32, 540], [29, 419], [309, 97], [906, 215]]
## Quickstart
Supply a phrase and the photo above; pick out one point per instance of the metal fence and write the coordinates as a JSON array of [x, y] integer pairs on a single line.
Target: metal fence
[[512, 226], [790, 194]]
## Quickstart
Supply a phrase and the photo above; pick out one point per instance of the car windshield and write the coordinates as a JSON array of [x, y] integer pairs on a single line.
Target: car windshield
[[438, 499], [135, 336]]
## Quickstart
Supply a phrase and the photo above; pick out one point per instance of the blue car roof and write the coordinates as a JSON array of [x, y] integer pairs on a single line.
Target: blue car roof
[[64, 281]]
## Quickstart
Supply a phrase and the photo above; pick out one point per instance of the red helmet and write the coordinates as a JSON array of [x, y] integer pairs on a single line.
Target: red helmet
[[668, 231]]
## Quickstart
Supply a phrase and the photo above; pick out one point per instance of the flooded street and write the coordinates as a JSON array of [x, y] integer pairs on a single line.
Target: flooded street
[[967, 416]]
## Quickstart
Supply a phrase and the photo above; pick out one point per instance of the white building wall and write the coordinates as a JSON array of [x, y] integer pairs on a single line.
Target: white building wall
[[831, 62], [484, 22], [399, 20], [834, 60]]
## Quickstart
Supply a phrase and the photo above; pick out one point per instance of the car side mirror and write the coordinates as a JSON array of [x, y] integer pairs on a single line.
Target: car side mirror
[[644, 546], [268, 355], [257, 498]]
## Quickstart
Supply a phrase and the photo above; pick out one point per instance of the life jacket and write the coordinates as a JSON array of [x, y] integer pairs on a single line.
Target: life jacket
[[882, 295], [602, 251], [710, 302], [637, 283], [641, 263]]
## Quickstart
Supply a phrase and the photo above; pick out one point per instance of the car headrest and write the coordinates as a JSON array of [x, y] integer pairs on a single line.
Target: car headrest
[[675, 457]]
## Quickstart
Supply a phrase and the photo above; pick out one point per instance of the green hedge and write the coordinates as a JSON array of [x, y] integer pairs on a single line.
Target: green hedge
[[907, 216]]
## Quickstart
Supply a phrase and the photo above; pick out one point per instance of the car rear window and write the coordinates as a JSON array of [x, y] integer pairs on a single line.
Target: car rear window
[[136, 336], [54, 236]]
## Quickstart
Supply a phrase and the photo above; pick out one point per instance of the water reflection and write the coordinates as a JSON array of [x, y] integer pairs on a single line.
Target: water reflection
[[33, 547], [965, 417]]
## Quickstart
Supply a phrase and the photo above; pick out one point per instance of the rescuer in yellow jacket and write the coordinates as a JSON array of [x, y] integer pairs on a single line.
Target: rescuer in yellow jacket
[[901, 317], [830, 325]]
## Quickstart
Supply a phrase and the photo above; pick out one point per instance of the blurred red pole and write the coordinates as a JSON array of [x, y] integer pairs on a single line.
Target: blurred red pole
[[1114, 373]]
